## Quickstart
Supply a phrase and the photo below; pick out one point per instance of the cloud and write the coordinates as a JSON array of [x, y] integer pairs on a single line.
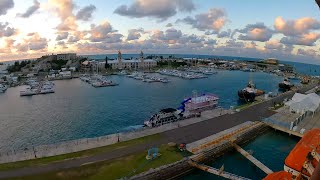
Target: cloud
[[170, 35], [104, 33], [224, 34], [62, 36], [159, 9], [6, 31], [134, 34], [274, 45], [308, 39], [64, 10], [255, 32], [308, 52], [33, 42], [85, 13], [5, 5], [37, 43], [296, 27], [212, 21], [169, 25], [30, 10]]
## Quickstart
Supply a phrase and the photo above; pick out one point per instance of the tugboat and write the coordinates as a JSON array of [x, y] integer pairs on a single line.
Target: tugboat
[[165, 116], [285, 85], [249, 93]]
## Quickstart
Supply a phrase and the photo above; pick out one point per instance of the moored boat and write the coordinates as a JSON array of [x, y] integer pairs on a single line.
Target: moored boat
[[249, 93], [3, 88], [285, 85], [164, 116]]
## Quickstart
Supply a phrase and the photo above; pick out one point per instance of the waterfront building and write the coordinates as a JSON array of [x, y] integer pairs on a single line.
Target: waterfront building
[[137, 63]]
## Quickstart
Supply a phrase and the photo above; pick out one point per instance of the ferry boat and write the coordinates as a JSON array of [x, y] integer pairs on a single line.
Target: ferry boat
[[249, 93], [3, 88], [164, 116], [197, 104], [285, 85], [190, 107], [302, 161]]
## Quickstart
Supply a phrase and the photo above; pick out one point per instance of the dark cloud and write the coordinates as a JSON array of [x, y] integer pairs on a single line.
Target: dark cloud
[[5, 5], [85, 13], [62, 36], [255, 32], [212, 21], [5, 30], [169, 25], [224, 34], [159, 9], [30, 10]]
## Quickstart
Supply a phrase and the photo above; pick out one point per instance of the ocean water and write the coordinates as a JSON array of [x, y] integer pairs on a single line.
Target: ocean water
[[78, 110], [271, 149]]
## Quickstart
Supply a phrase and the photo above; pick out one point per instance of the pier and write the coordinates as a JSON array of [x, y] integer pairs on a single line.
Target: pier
[[218, 172], [252, 159]]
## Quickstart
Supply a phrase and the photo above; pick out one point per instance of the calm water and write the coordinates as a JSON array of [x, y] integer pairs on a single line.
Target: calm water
[[78, 110], [271, 149]]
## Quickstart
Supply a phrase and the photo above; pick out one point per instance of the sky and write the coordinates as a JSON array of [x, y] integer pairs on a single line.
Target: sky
[[287, 29]]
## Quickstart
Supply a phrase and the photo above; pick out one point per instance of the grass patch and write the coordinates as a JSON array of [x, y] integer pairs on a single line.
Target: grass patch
[[114, 169], [90, 152]]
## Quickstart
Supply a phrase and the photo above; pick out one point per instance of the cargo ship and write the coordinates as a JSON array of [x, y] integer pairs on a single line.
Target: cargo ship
[[249, 93], [190, 107], [285, 85], [302, 161]]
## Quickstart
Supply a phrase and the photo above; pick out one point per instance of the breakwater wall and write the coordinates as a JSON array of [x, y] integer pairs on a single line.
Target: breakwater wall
[[72, 146], [182, 167]]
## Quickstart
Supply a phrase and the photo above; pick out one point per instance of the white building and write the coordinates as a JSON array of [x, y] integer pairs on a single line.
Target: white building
[[301, 103], [67, 57], [140, 63]]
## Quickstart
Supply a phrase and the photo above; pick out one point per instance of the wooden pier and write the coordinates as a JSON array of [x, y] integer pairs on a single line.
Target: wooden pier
[[252, 159], [284, 130], [218, 172]]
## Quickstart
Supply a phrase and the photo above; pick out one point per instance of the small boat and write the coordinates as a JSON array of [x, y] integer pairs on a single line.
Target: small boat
[[3, 88], [46, 89], [285, 85], [29, 91], [103, 84]]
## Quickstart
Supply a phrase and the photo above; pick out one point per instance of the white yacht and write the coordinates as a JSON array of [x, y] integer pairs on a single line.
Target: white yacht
[[29, 91], [3, 88]]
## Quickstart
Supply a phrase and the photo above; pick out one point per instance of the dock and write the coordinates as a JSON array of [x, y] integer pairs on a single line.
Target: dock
[[279, 128], [218, 172], [252, 159]]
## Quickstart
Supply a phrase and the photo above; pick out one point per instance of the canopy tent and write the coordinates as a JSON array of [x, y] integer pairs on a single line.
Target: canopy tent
[[301, 103]]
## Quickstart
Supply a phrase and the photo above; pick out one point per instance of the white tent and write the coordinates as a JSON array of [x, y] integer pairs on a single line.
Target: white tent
[[301, 103]]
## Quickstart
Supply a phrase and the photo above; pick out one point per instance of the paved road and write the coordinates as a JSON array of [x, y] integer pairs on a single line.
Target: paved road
[[186, 134]]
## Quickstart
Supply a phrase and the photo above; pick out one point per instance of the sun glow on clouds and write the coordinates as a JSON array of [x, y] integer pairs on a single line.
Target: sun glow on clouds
[[53, 26]]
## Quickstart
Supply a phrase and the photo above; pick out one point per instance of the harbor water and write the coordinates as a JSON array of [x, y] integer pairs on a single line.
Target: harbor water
[[271, 149], [78, 110]]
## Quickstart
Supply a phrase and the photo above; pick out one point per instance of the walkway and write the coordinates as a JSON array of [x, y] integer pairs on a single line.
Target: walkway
[[217, 172], [252, 159]]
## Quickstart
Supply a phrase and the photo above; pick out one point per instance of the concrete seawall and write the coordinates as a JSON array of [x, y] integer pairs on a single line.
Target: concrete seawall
[[90, 143], [182, 167]]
